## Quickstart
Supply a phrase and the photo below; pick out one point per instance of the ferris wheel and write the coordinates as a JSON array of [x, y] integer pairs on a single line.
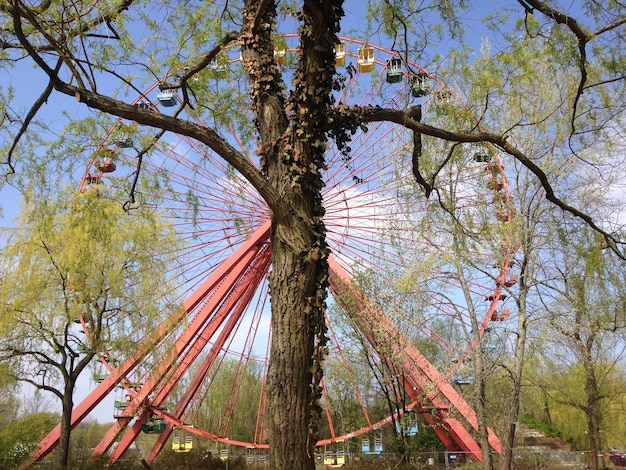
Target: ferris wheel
[[411, 293]]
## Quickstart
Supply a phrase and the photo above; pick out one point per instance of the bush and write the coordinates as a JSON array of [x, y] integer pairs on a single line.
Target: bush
[[546, 428]]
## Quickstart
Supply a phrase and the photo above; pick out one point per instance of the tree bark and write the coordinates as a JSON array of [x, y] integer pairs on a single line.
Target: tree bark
[[508, 440], [479, 395], [293, 134], [290, 374], [63, 449], [591, 410]]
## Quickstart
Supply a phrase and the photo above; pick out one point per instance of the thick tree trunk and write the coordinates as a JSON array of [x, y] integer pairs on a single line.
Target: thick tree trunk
[[294, 135], [63, 449], [289, 377]]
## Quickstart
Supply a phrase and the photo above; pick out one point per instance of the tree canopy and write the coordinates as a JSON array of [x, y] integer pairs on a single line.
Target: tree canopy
[[257, 85]]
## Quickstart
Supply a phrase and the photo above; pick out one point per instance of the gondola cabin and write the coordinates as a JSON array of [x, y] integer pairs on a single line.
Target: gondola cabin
[[494, 184], [154, 425], [122, 401], [280, 54], [482, 156], [372, 443], [122, 138], [365, 59], [124, 141], [365, 445], [182, 441], [256, 455], [216, 68], [492, 297], [106, 166], [443, 97], [92, 179], [340, 54], [99, 378], [167, 98], [501, 316], [408, 423], [335, 454], [460, 380], [394, 70], [419, 85], [504, 214], [121, 404]]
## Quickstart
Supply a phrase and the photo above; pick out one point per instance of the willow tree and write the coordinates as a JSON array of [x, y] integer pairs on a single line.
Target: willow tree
[[90, 51], [585, 312], [79, 278]]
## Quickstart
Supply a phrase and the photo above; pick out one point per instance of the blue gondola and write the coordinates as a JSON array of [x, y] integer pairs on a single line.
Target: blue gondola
[[372, 443], [409, 423], [460, 380], [167, 98], [365, 445]]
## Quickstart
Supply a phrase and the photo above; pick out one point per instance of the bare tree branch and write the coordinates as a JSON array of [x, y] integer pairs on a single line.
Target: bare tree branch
[[372, 114], [43, 98]]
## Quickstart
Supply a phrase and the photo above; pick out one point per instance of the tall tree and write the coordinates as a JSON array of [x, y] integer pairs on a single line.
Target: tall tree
[[528, 235], [80, 278], [86, 49], [587, 311]]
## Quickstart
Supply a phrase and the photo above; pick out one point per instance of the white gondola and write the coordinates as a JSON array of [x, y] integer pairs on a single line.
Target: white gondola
[[461, 380]]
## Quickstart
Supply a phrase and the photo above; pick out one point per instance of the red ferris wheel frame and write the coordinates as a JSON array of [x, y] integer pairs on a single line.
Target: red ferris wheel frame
[[215, 308]]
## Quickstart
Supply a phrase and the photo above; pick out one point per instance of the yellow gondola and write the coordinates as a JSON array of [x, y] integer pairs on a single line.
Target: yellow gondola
[[340, 54], [366, 59]]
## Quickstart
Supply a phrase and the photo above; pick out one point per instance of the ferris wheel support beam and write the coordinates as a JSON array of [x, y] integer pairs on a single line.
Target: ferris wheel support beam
[[443, 393], [79, 413], [219, 285], [421, 375], [242, 296], [239, 297]]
